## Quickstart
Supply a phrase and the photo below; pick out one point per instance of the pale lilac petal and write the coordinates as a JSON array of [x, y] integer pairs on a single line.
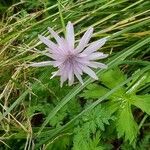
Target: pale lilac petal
[[90, 72], [41, 64], [84, 40], [62, 48], [57, 63], [70, 71], [78, 75], [56, 51], [62, 80], [64, 70], [95, 46], [57, 57], [81, 55], [78, 68], [70, 74], [55, 35], [97, 65], [50, 44], [93, 64], [65, 48], [63, 73], [70, 34], [81, 59], [97, 55], [71, 79]]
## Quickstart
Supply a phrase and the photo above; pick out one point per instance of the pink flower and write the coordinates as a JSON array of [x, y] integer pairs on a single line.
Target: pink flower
[[73, 61]]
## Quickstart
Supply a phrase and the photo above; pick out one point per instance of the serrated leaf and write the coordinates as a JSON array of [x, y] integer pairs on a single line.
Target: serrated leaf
[[60, 144], [112, 78], [90, 123], [94, 91], [126, 125], [142, 102], [84, 141]]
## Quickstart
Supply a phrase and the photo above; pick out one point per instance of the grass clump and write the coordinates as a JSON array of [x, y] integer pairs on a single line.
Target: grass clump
[[111, 113]]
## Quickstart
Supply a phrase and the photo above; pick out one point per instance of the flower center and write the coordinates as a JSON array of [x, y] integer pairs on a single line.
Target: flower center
[[70, 58]]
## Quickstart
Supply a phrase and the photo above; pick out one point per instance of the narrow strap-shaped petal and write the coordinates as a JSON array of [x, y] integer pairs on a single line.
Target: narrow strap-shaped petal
[[69, 71], [71, 79], [95, 46], [53, 52], [63, 73], [57, 63], [55, 35], [70, 34], [49, 43], [84, 40], [79, 77], [90, 72], [41, 64], [97, 65], [70, 74], [97, 55], [63, 78], [57, 57], [78, 68], [77, 74]]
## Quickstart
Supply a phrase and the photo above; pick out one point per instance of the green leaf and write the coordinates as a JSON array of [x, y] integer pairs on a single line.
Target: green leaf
[[100, 115], [142, 102], [112, 78], [94, 91], [92, 106], [61, 143], [90, 123], [85, 141], [114, 61], [144, 143], [126, 125]]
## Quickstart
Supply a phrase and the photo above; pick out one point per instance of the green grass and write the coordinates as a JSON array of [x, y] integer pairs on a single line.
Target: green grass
[[37, 114]]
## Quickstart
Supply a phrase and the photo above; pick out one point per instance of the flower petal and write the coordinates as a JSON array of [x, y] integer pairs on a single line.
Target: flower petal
[[64, 70], [63, 78], [78, 68], [50, 44], [90, 72], [79, 77], [97, 65], [97, 55], [84, 40], [77, 74], [71, 79], [57, 63], [55, 35], [70, 34], [95, 46], [41, 64]]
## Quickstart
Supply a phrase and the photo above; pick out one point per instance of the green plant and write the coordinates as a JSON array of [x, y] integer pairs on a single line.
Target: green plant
[[110, 113]]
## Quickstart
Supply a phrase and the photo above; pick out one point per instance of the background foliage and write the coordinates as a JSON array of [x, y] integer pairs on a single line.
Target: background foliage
[[111, 113]]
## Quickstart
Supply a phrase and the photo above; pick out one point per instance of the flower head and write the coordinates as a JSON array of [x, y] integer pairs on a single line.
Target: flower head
[[73, 61]]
